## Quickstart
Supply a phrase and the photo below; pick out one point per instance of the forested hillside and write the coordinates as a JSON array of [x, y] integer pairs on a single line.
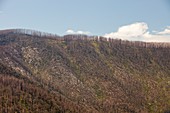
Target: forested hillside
[[43, 73]]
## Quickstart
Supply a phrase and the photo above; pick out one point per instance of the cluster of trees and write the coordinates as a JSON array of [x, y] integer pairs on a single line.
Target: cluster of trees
[[83, 37], [19, 94], [33, 33], [115, 41], [103, 75]]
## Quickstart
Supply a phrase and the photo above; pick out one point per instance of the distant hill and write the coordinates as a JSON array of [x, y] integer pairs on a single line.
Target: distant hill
[[42, 72]]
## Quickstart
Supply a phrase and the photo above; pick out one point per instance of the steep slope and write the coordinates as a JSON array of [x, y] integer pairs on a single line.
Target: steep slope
[[95, 74], [20, 95]]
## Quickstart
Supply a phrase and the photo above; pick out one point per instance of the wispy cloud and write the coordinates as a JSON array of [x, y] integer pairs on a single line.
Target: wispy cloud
[[1, 12], [70, 31], [165, 32], [139, 32]]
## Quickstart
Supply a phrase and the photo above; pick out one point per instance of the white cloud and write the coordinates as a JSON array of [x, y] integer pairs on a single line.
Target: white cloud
[[139, 32], [130, 32], [155, 38], [70, 31], [165, 32]]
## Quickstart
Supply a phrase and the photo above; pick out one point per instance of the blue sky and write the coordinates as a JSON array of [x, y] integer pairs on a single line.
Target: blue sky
[[94, 17]]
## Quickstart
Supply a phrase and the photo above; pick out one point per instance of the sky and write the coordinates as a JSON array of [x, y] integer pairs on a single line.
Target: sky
[[143, 20]]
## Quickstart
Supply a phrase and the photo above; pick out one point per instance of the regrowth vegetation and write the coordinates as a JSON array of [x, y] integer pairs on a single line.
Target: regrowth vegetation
[[42, 72]]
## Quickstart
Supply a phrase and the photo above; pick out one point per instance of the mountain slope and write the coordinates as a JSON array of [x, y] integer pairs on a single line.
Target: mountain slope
[[95, 74]]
